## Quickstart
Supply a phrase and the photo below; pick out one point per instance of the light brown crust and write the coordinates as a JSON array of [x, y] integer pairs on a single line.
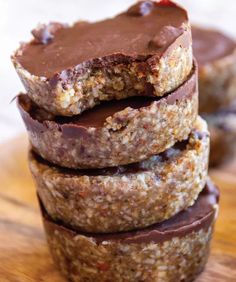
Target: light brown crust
[[222, 127], [155, 190], [217, 84], [116, 81]]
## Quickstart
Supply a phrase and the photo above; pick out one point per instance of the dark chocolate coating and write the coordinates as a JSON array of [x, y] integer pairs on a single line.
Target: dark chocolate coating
[[210, 45], [199, 216], [96, 117], [122, 39]]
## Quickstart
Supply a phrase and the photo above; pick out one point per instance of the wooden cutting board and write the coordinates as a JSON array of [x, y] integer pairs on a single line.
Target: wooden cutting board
[[24, 256]]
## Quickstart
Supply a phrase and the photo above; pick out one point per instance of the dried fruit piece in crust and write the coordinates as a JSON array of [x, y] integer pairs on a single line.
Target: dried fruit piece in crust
[[175, 250], [67, 70], [113, 133], [126, 197], [216, 56]]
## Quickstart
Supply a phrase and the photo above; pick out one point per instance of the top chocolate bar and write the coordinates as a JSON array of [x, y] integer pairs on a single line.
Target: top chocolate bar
[[146, 50], [211, 45]]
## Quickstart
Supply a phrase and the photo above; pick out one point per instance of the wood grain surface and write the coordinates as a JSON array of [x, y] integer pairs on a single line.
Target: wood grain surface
[[24, 256]]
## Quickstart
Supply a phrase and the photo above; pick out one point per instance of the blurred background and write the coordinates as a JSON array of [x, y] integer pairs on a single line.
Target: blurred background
[[18, 18]]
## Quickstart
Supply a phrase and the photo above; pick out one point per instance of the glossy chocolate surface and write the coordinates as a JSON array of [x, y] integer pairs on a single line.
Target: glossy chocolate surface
[[199, 216], [97, 116], [210, 45], [147, 28]]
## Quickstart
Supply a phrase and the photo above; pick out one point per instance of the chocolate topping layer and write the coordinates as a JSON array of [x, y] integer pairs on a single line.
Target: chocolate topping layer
[[97, 116], [37, 118], [210, 45], [199, 216], [132, 35]]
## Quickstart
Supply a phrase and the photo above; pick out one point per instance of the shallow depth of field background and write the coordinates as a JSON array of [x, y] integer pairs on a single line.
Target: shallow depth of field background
[[17, 18]]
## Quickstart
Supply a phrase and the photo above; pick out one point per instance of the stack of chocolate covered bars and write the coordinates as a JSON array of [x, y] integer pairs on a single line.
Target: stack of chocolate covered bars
[[216, 56], [118, 151]]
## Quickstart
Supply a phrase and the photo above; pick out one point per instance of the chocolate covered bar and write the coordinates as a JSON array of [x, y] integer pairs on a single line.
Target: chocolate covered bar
[[126, 197], [216, 56], [222, 127], [174, 250], [113, 133], [146, 50]]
